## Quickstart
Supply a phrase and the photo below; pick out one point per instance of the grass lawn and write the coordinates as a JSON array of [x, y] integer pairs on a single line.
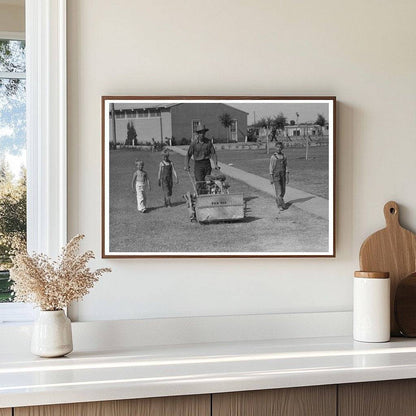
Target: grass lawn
[[307, 175], [169, 229]]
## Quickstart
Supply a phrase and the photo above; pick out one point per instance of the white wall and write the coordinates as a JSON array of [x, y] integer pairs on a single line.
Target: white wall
[[361, 51]]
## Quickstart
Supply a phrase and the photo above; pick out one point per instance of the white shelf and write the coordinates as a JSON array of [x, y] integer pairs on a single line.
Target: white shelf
[[150, 371]]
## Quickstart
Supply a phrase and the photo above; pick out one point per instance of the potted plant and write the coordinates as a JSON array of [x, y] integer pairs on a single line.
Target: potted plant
[[52, 286]]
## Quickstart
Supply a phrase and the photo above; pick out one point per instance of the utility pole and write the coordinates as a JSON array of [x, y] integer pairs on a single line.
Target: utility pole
[[113, 123], [268, 132], [161, 130], [267, 141]]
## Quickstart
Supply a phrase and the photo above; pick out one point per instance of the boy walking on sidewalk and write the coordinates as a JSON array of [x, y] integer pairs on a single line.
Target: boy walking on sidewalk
[[165, 178], [279, 175]]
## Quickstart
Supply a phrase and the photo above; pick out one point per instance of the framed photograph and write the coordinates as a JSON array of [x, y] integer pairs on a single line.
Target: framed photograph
[[218, 176]]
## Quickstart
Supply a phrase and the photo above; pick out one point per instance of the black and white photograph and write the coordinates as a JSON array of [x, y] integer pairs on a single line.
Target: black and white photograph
[[218, 176]]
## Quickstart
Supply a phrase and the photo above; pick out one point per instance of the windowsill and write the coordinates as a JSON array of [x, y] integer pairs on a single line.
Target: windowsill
[[16, 313]]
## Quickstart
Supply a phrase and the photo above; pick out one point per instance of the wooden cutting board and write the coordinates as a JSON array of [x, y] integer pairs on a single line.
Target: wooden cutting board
[[393, 250]]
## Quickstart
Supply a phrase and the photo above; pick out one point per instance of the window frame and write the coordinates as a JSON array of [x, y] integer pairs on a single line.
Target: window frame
[[46, 135], [193, 127], [14, 312], [234, 125]]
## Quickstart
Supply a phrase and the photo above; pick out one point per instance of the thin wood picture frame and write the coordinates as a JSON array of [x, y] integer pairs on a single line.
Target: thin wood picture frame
[[243, 209]]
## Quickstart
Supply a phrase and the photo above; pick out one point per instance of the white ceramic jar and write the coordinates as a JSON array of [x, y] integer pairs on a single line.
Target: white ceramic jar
[[52, 334], [371, 305]]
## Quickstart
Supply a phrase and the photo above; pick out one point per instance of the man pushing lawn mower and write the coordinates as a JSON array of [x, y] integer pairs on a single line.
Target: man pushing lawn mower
[[202, 150], [211, 201]]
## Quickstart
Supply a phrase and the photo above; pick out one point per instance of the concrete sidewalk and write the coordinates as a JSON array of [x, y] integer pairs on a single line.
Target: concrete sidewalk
[[303, 200]]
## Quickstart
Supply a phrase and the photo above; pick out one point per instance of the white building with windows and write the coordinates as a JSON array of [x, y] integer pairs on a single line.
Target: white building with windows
[[305, 129], [177, 120]]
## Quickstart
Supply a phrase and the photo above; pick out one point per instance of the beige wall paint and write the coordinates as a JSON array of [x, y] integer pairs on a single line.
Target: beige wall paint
[[12, 18], [361, 51]]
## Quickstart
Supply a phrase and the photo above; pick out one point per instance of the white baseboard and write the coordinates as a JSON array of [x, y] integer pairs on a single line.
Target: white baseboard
[[169, 331]]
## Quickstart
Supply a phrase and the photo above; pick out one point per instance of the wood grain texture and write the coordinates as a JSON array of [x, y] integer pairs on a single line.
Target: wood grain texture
[[405, 306], [381, 398], [372, 275], [160, 406], [393, 250], [300, 401], [5, 412]]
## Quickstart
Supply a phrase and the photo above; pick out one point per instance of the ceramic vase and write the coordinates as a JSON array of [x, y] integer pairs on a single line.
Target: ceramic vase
[[52, 334]]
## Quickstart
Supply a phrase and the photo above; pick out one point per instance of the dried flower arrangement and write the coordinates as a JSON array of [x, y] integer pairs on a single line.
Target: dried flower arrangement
[[53, 285]]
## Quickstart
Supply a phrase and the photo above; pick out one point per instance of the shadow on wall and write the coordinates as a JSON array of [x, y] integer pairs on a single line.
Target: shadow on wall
[[344, 197]]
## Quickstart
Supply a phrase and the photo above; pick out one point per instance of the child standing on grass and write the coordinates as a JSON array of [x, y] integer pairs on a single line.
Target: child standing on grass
[[165, 176], [139, 182], [279, 175]]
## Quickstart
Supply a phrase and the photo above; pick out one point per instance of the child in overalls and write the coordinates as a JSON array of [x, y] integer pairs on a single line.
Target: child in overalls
[[165, 177], [138, 184], [279, 175]]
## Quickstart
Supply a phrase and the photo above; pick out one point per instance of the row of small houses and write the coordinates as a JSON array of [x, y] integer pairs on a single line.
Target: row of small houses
[[179, 120], [293, 130]]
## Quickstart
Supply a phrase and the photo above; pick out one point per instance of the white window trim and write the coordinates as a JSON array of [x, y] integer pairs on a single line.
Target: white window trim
[[46, 125], [46, 134], [13, 75]]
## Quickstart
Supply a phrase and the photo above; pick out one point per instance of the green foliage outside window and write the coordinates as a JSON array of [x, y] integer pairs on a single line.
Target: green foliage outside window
[[12, 151], [12, 223]]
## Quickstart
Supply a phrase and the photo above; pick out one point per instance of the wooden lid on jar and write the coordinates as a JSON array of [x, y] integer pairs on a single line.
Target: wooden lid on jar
[[372, 275]]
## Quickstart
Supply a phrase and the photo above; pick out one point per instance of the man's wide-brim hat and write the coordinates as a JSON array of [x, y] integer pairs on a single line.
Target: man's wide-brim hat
[[201, 128]]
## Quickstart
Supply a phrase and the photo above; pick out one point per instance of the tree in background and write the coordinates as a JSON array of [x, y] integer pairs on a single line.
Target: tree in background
[[262, 122], [226, 121], [267, 123], [12, 59], [12, 223], [320, 120], [12, 98], [12, 213], [280, 121], [12, 144], [6, 175], [131, 135]]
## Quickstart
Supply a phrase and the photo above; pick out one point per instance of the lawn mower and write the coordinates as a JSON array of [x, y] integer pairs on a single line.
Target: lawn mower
[[214, 203]]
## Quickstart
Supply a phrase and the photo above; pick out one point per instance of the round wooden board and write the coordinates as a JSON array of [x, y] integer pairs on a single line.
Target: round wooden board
[[405, 306]]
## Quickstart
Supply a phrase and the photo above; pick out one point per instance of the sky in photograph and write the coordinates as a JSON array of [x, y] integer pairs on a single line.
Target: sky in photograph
[[307, 111]]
